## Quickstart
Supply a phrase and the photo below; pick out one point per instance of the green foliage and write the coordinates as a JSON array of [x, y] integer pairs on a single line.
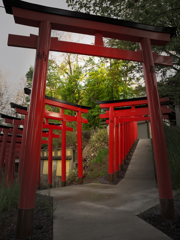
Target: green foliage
[[172, 135], [151, 12], [105, 80], [101, 154], [97, 149], [84, 85], [98, 140], [9, 197]]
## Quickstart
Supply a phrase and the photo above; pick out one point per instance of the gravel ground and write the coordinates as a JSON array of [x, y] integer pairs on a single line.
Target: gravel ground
[[153, 217], [43, 221]]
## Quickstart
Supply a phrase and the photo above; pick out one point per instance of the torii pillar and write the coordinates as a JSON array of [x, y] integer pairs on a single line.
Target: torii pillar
[[33, 142], [158, 136]]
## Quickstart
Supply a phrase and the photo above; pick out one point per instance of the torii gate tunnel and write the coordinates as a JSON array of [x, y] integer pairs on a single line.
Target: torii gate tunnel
[[46, 18], [136, 109]]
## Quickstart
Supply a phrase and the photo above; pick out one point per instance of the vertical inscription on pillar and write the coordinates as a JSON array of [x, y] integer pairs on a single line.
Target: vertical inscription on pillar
[[40, 56], [152, 69]]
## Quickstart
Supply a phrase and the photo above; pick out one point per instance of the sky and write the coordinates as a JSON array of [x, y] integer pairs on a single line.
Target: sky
[[16, 61]]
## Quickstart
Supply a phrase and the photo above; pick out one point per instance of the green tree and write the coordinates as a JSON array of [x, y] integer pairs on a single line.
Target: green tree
[[71, 80], [106, 80], [52, 81], [152, 12]]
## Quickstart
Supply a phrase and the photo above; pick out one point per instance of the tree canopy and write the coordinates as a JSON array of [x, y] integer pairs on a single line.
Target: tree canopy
[[84, 84], [152, 12]]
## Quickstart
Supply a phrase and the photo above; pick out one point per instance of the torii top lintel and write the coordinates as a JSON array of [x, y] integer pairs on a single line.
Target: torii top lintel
[[87, 24]]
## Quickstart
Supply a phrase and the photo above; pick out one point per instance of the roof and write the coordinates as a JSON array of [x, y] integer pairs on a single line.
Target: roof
[[28, 91], [61, 12]]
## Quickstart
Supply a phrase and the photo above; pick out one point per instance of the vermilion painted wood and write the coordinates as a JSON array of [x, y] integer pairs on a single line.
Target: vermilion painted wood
[[130, 134], [136, 112], [21, 156], [8, 147], [86, 49], [116, 123], [137, 119], [59, 116], [51, 135], [10, 130], [130, 103], [111, 142], [99, 39], [63, 153], [17, 139], [47, 135], [80, 120], [126, 140], [50, 141], [66, 106], [2, 153], [34, 125], [79, 147], [63, 23], [39, 173], [14, 121], [129, 139], [159, 143], [16, 149], [11, 163], [120, 143]]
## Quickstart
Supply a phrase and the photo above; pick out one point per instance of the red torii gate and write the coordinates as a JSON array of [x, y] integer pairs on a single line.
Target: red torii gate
[[79, 109], [137, 108], [9, 176], [23, 110], [46, 18], [63, 128], [11, 141], [5, 149]]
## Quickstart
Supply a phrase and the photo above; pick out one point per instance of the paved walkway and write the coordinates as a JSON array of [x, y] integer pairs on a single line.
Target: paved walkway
[[108, 212]]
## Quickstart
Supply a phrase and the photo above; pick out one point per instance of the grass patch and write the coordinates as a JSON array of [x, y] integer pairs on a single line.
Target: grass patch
[[9, 197], [43, 204], [101, 154], [96, 164], [93, 171], [172, 135]]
